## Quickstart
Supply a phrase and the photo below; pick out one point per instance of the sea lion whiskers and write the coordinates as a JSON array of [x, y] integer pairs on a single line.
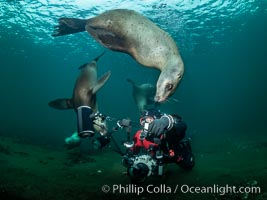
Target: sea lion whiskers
[[172, 100]]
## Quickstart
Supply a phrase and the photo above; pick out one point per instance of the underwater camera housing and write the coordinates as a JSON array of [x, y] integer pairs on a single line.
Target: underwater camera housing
[[139, 167], [85, 121]]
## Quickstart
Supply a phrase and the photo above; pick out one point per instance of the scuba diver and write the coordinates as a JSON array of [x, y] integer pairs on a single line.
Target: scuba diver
[[160, 141], [88, 123]]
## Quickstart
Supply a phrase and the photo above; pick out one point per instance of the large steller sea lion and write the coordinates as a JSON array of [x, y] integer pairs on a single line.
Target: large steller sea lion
[[128, 31]]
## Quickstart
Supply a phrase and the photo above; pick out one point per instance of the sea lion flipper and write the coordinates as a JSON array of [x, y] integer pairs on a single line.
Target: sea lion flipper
[[61, 104], [101, 81], [97, 58], [68, 26]]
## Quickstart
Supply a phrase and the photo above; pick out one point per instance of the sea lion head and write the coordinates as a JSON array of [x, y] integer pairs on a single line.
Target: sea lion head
[[168, 81]]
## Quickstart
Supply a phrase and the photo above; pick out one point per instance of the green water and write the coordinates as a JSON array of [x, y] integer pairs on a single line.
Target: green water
[[222, 44], [222, 96]]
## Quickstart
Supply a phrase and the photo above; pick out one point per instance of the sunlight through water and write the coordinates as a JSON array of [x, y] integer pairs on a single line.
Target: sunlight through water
[[184, 20]]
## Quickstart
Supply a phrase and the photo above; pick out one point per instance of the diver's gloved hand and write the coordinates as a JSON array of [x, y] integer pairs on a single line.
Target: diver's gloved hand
[[160, 126]]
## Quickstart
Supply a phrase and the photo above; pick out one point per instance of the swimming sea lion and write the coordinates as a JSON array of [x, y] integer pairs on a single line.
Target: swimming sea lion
[[143, 95], [128, 31], [85, 89]]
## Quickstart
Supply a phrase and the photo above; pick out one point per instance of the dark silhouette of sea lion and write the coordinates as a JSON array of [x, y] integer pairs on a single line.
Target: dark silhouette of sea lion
[[143, 95], [128, 31], [85, 89]]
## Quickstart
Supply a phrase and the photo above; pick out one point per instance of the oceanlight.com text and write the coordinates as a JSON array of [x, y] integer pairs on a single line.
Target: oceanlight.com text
[[164, 189], [216, 189]]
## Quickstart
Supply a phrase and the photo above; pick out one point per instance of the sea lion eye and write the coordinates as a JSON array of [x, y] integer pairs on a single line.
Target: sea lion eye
[[169, 86]]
